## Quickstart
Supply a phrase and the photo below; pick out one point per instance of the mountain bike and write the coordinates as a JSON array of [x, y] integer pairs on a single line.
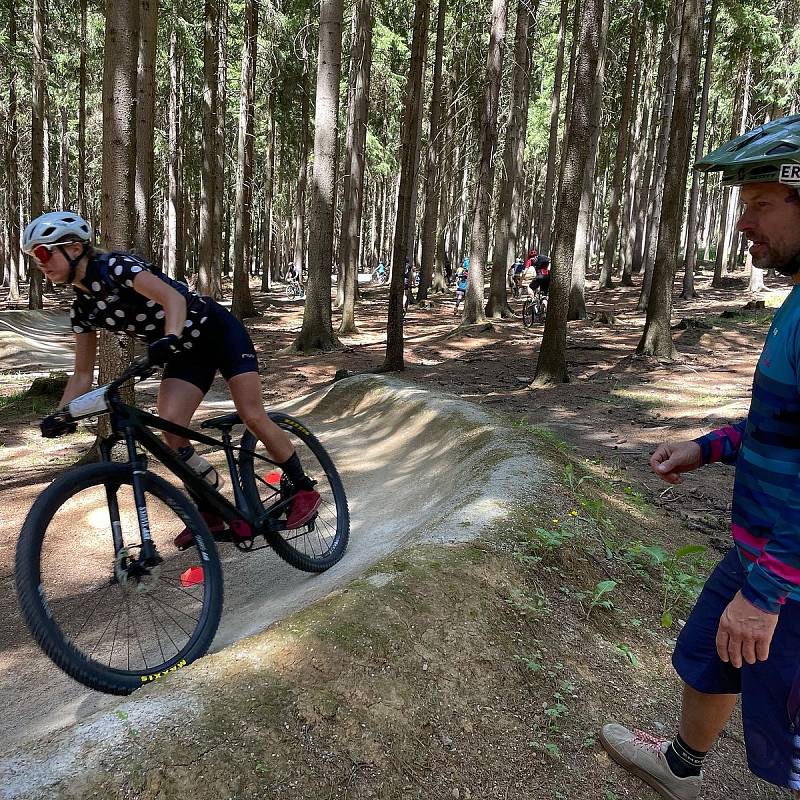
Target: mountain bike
[[534, 309], [380, 278], [293, 288], [103, 587]]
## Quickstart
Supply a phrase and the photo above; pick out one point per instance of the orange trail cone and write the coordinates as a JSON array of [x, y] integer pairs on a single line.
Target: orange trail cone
[[192, 577], [274, 478]]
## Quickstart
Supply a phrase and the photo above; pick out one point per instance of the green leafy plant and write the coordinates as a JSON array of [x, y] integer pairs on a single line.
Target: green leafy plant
[[571, 480], [682, 574], [530, 663], [625, 650], [600, 597], [550, 539], [526, 603]]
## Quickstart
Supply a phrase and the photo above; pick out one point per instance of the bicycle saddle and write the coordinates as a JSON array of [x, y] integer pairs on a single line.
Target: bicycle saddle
[[225, 422]]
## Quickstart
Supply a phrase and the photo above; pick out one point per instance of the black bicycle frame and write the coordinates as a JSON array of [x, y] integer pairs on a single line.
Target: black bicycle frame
[[131, 425]]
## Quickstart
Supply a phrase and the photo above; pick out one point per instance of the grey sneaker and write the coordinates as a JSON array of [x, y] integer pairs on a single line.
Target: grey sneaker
[[643, 755]]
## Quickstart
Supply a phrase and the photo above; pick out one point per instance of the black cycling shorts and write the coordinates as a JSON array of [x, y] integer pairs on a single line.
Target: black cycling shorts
[[224, 345], [542, 282]]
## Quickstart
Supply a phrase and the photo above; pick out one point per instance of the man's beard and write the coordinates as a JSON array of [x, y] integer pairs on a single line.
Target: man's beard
[[790, 267], [786, 267]]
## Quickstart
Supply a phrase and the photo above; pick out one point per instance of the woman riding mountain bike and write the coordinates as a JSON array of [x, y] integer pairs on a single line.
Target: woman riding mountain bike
[[191, 336]]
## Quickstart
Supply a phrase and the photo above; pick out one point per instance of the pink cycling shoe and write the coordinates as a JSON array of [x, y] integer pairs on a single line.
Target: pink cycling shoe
[[304, 506]]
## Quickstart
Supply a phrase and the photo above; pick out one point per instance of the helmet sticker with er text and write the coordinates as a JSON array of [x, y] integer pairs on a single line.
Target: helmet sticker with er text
[[789, 174]]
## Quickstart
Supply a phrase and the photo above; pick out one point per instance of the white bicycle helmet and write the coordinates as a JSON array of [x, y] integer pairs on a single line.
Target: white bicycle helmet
[[55, 225]]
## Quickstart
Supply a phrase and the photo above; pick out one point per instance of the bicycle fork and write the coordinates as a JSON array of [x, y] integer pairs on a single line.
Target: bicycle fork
[[138, 463]]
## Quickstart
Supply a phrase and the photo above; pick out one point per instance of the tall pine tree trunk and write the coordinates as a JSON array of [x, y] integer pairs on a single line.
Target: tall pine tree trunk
[[633, 181], [269, 198], [119, 157], [63, 161], [242, 304], [656, 196], [221, 207], [433, 178], [145, 119], [573, 55], [39, 156], [83, 208], [692, 219], [620, 156], [11, 155], [355, 153], [546, 226], [208, 277], [172, 223], [551, 366], [657, 338], [577, 300], [316, 332], [479, 234], [412, 109], [513, 156], [298, 238]]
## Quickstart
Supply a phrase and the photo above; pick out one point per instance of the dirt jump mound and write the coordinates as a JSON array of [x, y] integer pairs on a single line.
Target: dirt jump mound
[[416, 465]]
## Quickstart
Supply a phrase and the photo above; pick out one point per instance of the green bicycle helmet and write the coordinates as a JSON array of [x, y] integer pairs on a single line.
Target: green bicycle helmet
[[768, 153]]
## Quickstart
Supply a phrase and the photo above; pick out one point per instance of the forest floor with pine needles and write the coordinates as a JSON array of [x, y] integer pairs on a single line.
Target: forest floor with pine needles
[[483, 669]]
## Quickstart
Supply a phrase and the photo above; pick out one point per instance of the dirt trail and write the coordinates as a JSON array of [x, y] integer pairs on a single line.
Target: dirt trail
[[490, 663], [404, 454]]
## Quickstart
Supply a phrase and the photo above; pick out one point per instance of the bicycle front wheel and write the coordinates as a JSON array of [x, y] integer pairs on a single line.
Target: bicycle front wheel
[[104, 618], [527, 313], [320, 544]]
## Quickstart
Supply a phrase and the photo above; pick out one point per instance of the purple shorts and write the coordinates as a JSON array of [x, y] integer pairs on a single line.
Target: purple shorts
[[770, 689]]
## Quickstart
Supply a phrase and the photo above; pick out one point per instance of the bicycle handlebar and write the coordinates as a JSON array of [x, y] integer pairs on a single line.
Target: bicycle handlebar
[[140, 368], [93, 402]]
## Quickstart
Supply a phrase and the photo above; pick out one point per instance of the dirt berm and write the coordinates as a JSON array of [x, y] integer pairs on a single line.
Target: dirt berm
[[462, 649]]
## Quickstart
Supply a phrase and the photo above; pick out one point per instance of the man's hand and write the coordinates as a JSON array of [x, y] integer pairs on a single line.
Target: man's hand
[[669, 460], [745, 632]]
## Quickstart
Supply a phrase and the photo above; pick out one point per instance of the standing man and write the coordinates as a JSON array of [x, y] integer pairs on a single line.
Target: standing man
[[743, 636]]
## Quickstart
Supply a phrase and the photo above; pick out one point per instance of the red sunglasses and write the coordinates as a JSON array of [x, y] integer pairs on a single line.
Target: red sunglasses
[[44, 252]]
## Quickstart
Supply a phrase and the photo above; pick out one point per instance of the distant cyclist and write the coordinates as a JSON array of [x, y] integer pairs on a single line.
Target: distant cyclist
[[462, 280], [517, 270], [530, 261], [541, 264], [408, 281]]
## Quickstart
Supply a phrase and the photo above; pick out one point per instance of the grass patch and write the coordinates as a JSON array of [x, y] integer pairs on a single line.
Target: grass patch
[[542, 434], [670, 396], [20, 405], [748, 320]]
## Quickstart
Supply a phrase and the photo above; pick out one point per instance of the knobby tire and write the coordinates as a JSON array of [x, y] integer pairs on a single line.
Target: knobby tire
[[34, 606], [283, 547]]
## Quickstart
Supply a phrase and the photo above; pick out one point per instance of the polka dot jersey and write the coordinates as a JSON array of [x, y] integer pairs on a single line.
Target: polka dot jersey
[[112, 303]]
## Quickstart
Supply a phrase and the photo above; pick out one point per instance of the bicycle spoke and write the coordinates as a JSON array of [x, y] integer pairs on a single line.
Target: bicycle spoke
[[114, 641], [158, 638], [165, 604], [166, 632], [97, 605]]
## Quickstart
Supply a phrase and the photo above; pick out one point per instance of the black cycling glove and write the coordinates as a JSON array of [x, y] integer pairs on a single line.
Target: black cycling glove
[[161, 350], [57, 424]]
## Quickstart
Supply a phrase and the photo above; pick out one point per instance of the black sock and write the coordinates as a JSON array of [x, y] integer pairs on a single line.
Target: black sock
[[683, 761], [294, 470]]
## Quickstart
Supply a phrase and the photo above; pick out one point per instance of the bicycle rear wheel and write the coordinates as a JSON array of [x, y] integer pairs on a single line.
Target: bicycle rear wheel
[[527, 313], [320, 544], [105, 621]]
